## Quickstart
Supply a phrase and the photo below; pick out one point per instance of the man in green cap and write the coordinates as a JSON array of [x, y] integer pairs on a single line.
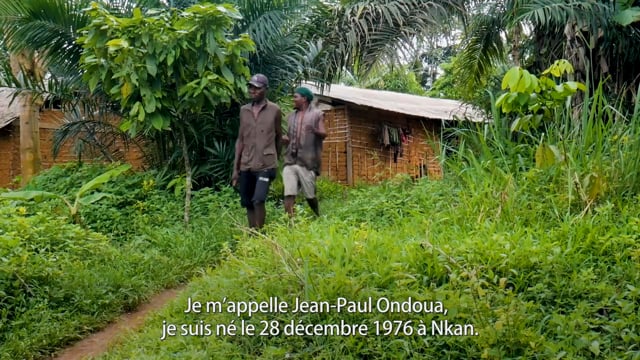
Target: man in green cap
[[304, 151]]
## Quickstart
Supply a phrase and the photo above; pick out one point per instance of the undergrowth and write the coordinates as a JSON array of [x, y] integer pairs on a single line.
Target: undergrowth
[[530, 243], [533, 282], [59, 281]]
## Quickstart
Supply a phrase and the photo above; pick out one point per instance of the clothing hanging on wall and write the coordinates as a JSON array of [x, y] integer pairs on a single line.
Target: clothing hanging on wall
[[390, 136]]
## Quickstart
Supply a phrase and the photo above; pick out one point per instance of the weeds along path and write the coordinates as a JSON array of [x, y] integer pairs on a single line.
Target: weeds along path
[[98, 343]]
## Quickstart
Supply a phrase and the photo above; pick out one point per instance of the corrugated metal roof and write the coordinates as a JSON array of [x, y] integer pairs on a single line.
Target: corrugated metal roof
[[421, 106], [8, 111]]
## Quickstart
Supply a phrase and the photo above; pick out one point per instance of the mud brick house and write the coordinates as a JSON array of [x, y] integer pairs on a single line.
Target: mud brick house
[[50, 120], [374, 135]]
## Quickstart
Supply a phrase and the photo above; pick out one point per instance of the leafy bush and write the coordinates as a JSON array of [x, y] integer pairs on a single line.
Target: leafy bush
[[59, 280], [86, 195]]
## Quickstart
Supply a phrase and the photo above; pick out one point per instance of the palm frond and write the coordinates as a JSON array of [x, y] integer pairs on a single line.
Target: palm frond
[[125, 7], [90, 138], [48, 27], [554, 13], [364, 32], [482, 49]]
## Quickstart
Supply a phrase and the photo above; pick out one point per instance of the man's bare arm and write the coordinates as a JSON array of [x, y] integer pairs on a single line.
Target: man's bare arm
[[320, 130]]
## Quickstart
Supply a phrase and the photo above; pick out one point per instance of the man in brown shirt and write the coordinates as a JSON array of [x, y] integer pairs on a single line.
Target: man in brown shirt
[[257, 149], [304, 151]]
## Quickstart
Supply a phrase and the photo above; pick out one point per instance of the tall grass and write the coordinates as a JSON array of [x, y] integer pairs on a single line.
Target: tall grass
[[534, 285], [595, 153], [540, 256]]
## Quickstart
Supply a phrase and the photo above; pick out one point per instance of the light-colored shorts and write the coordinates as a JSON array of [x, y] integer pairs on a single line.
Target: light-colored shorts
[[295, 177]]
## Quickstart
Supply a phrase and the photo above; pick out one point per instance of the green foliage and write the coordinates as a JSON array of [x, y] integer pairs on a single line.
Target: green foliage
[[588, 155], [361, 35], [40, 257], [445, 85], [165, 65], [84, 196], [58, 281], [399, 79], [627, 14], [282, 52], [449, 86], [536, 100], [167, 68], [540, 260], [531, 34], [533, 282]]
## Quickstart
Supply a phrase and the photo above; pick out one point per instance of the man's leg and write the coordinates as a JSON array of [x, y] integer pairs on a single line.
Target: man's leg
[[247, 188], [313, 203], [308, 184], [260, 195], [290, 181], [289, 202], [260, 215], [251, 216]]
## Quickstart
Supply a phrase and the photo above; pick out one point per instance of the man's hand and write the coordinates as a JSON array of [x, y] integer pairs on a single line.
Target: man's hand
[[285, 139], [234, 178]]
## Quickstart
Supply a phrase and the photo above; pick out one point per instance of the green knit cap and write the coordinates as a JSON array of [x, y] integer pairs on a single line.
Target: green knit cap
[[304, 92]]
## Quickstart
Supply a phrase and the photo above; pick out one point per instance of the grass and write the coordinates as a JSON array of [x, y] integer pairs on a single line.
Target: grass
[[60, 281], [531, 282], [528, 248], [530, 244]]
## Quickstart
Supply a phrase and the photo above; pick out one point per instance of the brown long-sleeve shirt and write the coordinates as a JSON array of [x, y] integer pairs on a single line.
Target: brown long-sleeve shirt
[[260, 137]]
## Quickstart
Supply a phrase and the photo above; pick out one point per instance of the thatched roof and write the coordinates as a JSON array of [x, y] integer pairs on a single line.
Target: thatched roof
[[8, 111], [414, 105]]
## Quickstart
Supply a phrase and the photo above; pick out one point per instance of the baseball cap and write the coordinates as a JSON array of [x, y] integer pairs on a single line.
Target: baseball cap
[[259, 80]]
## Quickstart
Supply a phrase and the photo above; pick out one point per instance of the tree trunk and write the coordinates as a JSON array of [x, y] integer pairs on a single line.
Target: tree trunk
[[30, 161], [188, 170], [576, 53], [24, 64], [516, 37]]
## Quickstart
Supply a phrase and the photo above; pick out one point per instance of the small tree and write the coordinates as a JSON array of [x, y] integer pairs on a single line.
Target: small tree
[[166, 67], [534, 99]]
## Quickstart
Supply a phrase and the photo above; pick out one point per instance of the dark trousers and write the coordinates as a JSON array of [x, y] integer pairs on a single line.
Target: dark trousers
[[254, 186]]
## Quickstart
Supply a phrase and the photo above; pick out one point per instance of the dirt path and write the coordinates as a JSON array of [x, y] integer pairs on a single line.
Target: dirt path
[[99, 343]]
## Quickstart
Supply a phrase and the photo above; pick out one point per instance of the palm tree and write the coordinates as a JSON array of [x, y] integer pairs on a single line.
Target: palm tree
[[281, 53], [319, 39], [39, 36], [34, 45], [534, 33], [295, 40], [358, 35]]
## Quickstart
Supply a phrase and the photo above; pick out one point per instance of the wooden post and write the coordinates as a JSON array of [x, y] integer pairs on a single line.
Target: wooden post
[[29, 139], [25, 64], [366, 166], [329, 164], [338, 163], [349, 150]]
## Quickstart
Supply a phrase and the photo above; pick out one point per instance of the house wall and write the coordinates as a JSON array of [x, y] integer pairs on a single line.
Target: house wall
[[50, 120], [371, 161], [9, 154], [334, 146]]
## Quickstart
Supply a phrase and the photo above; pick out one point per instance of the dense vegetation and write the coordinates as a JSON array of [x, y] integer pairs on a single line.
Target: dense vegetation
[[397, 45], [538, 267], [529, 242], [531, 246], [59, 280]]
